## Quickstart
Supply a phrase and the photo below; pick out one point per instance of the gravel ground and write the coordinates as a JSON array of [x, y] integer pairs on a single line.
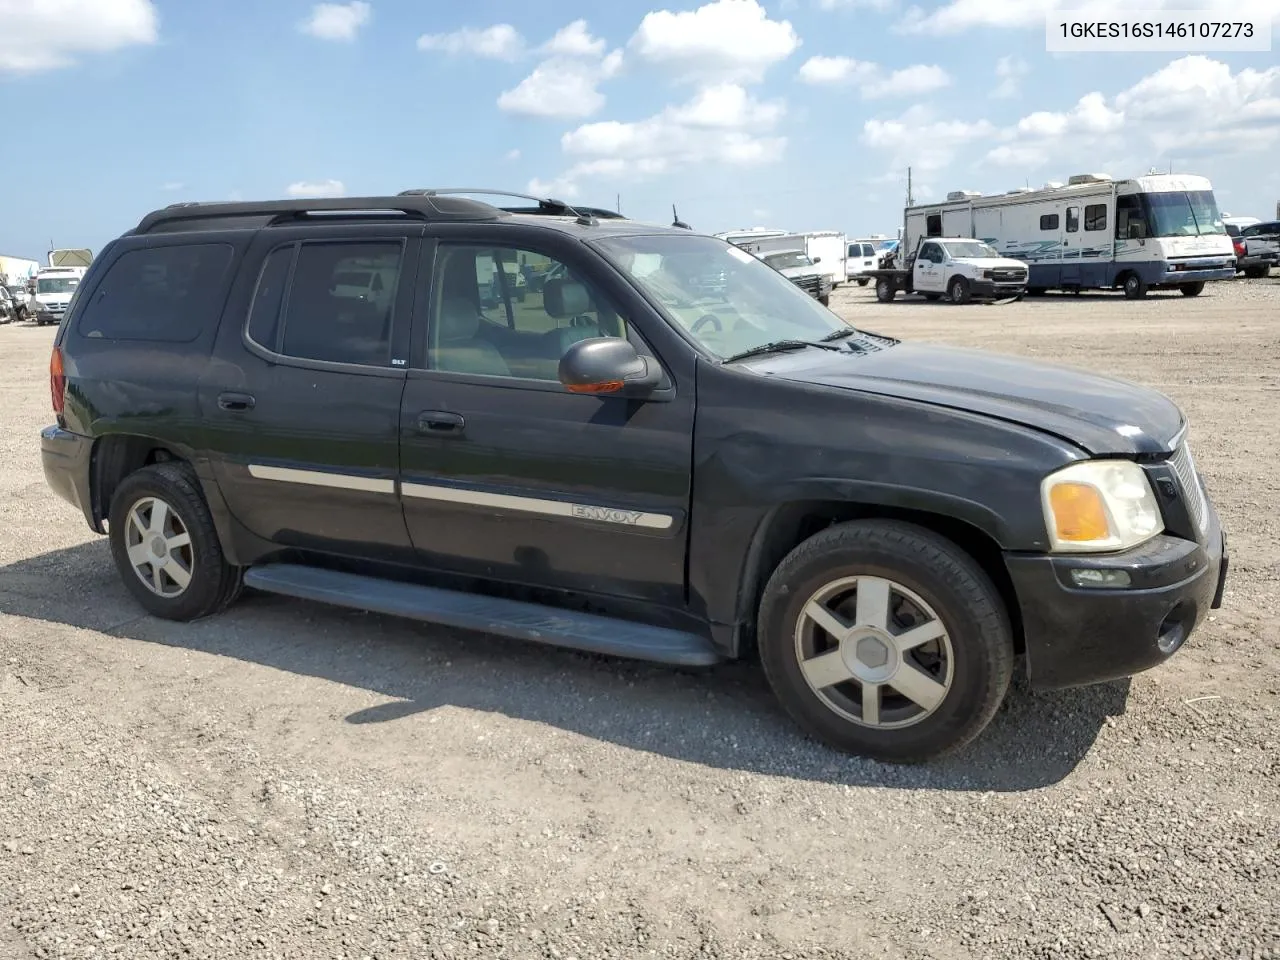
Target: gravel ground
[[290, 780]]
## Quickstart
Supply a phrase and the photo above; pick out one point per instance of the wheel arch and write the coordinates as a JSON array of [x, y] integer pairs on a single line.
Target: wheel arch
[[114, 457], [790, 524]]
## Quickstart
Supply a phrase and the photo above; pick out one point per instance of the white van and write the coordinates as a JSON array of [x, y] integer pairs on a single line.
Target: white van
[[862, 257]]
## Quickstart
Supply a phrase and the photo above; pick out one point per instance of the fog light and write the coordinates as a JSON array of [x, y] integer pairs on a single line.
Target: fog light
[[1089, 577]]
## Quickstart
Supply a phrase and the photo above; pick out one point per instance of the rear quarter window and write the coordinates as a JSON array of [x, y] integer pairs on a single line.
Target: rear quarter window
[[166, 294]]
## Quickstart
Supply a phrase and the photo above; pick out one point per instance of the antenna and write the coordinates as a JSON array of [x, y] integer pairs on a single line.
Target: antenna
[[676, 221]]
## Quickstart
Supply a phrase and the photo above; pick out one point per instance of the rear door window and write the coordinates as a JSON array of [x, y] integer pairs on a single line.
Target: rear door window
[[168, 294]]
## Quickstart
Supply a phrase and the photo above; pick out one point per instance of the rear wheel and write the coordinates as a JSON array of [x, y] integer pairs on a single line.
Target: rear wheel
[[1192, 289], [165, 546], [1135, 288], [883, 639], [885, 290], [1257, 272], [958, 290]]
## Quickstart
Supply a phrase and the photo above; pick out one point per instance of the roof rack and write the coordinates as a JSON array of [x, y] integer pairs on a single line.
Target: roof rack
[[420, 206], [547, 206]]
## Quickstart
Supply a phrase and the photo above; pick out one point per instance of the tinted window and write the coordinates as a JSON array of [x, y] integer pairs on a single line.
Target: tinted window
[[1095, 216], [933, 225], [508, 312], [1131, 221], [264, 315], [1262, 229], [1049, 221], [1073, 219], [167, 294], [868, 250], [931, 253], [336, 311]]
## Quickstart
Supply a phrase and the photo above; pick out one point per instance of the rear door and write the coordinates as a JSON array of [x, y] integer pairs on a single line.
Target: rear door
[[302, 402], [508, 476], [1072, 245]]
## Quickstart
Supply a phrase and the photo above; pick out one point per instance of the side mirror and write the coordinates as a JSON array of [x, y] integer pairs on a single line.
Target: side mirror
[[817, 259], [608, 366]]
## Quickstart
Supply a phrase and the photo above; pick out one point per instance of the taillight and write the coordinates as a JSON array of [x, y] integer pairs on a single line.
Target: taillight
[[1239, 247], [57, 381]]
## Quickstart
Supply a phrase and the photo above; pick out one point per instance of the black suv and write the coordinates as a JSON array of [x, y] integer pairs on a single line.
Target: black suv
[[326, 399]]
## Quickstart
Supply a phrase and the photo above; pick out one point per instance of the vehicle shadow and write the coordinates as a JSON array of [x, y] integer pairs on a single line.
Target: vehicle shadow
[[724, 717]]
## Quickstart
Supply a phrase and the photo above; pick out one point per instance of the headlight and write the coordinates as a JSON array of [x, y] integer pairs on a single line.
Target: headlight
[[987, 274], [1099, 505]]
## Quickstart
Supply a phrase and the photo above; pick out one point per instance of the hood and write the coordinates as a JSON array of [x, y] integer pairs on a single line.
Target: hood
[[1099, 414], [989, 263], [792, 272]]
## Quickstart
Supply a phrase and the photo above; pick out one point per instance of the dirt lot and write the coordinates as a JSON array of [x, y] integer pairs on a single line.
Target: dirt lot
[[296, 781]]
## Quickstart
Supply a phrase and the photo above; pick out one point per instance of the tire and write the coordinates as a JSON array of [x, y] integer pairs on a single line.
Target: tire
[[933, 297], [1036, 291], [863, 282], [825, 299], [1257, 272], [1192, 289], [926, 571], [213, 583], [1135, 288], [958, 291], [885, 290]]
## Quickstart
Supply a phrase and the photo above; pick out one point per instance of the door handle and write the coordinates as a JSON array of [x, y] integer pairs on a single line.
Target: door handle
[[236, 401], [440, 421]]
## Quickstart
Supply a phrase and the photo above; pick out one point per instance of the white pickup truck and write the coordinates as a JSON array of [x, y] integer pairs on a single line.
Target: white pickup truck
[[960, 268]]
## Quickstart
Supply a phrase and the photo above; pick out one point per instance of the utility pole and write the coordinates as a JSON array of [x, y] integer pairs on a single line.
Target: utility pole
[[910, 199], [618, 204]]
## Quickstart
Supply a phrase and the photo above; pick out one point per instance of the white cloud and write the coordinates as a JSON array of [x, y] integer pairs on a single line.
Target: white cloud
[[316, 188], [499, 42], [908, 82], [918, 138], [1010, 71], [172, 186], [574, 40], [45, 36], [722, 124], [872, 81], [1192, 107], [822, 70], [513, 155], [562, 88], [337, 21], [869, 4], [721, 41], [960, 15]]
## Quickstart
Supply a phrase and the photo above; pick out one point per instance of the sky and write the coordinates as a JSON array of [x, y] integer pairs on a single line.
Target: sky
[[796, 114]]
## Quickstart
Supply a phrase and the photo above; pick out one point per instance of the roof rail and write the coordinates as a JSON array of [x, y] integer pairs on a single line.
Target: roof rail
[[546, 205], [418, 207]]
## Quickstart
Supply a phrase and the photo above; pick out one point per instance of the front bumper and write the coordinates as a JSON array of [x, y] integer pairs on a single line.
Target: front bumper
[[990, 290], [67, 458], [1191, 272], [1081, 635]]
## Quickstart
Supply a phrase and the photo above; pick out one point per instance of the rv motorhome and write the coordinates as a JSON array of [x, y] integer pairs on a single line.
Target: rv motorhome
[[1152, 232]]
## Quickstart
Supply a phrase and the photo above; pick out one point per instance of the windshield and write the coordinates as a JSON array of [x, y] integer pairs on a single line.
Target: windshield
[[56, 284], [970, 248], [788, 258], [748, 305], [1184, 214]]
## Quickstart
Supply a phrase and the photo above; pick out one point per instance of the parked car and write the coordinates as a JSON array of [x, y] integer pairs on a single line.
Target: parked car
[[619, 465], [805, 273], [861, 259], [1262, 249], [18, 296]]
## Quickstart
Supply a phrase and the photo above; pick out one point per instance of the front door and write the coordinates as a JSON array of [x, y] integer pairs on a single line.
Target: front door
[[928, 269], [302, 403], [1072, 246], [505, 474]]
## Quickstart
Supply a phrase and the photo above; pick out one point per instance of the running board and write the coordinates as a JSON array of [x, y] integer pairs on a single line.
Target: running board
[[507, 618]]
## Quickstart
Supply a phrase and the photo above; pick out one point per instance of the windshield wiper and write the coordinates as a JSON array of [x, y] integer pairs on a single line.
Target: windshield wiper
[[777, 345], [839, 334]]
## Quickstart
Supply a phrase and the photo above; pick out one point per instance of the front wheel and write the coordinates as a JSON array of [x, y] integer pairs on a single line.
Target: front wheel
[[885, 290], [958, 290], [165, 546], [1135, 288], [883, 639], [1192, 289]]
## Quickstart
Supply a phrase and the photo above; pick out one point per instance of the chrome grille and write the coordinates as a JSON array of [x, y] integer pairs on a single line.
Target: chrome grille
[[1008, 275], [1184, 468]]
